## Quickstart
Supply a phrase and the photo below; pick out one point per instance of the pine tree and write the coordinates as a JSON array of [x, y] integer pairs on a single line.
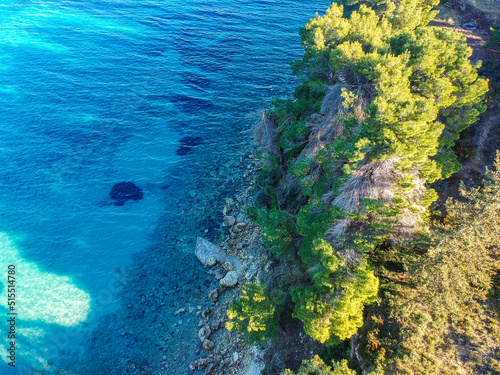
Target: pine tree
[[316, 366], [253, 314]]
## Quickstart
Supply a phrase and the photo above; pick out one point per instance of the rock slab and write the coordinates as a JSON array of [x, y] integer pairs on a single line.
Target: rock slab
[[205, 250]]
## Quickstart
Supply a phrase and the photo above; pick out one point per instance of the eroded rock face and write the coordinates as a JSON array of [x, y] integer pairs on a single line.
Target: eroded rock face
[[125, 190]]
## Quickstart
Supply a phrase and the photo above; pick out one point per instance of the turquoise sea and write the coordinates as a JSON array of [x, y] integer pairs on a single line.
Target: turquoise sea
[[92, 93]]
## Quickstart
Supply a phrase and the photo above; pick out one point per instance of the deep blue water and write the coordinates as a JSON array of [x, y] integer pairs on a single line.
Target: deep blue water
[[97, 92]]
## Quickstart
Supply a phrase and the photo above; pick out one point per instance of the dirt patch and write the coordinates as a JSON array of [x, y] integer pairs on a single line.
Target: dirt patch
[[473, 19], [478, 144]]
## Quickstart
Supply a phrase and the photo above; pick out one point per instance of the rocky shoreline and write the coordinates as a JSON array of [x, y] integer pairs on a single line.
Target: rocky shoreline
[[239, 258]]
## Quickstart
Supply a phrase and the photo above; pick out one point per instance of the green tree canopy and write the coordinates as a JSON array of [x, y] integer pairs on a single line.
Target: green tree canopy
[[316, 366], [253, 313], [382, 100]]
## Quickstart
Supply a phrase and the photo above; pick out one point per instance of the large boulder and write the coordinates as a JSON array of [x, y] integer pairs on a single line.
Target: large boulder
[[206, 251]]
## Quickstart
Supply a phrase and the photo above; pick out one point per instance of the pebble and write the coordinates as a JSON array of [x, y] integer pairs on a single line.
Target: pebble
[[213, 295], [204, 333], [228, 221], [228, 266], [208, 345], [206, 313], [235, 357], [219, 274], [469, 26], [180, 311]]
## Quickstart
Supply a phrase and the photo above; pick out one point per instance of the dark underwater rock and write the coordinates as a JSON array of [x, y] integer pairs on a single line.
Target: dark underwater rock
[[183, 151], [191, 141], [190, 104], [187, 144], [125, 190]]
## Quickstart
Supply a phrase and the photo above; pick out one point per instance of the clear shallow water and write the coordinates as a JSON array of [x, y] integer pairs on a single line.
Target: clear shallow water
[[97, 92]]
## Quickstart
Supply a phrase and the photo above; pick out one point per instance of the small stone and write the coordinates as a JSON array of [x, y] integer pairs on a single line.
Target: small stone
[[180, 311], [213, 295], [230, 280], [203, 362], [192, 366], [469, 26], [219, 273], [229, 221], [209, 369], [228, 266], [204, 333], [235, 357], [268, 267], [208, 345], [229, 201]]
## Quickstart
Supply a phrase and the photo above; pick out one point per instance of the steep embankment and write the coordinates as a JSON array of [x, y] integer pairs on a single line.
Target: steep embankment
[[348, 174], [350, 169]]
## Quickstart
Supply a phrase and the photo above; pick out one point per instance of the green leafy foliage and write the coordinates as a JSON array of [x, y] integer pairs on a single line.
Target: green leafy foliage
[[423, 80], [383, 99], [495, 36], [330, 317], [254, 314], [316, 366], [278, 230]]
